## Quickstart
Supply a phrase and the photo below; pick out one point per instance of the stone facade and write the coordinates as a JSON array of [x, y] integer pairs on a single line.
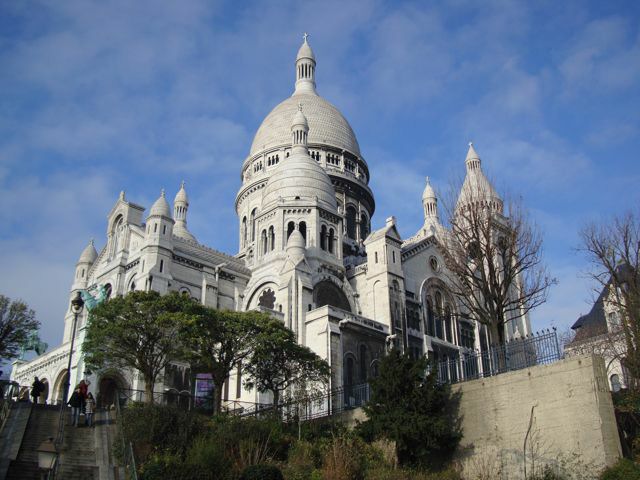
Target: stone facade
[[306, 254]]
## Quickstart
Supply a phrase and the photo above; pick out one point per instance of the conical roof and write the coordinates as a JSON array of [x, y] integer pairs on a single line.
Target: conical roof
[[476, 186], [89, 254], [160, 207], [429, 193], [305, 50], [181, 196]]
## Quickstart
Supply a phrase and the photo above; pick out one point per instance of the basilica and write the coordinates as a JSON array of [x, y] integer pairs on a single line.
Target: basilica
[[306, 255]]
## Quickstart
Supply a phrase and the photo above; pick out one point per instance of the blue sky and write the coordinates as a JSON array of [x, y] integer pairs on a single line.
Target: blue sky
[[96, 97]]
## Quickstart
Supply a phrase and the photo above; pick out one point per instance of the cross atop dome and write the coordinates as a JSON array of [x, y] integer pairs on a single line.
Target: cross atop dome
[[305, 35]]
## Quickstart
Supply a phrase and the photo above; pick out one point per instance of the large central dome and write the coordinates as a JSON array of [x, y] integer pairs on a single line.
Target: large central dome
[[327, 126]]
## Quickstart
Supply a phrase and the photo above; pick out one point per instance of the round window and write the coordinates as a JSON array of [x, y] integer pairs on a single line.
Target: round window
[[433, 262]]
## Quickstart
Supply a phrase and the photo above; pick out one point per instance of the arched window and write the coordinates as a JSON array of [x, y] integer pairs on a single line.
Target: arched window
[[431, 319], [263, 242], [272, 238], [363, 363], [330, 240], [290, 228], [253, 225], [323, 237], [447, 323], [439, 332], [615, 383], [351, 221], [364, 226], [348, 371], [302, 226], [243, 232]]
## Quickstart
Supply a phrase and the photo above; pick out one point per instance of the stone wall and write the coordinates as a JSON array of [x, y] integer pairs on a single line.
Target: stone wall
[[570, 410]]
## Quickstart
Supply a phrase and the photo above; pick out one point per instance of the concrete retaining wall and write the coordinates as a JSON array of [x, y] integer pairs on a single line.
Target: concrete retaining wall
[[572, 425]]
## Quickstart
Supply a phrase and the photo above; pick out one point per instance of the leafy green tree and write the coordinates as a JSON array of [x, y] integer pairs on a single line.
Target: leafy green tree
[[218, 341], [138, 331], [408, 406], [17, 321], [278, 362]]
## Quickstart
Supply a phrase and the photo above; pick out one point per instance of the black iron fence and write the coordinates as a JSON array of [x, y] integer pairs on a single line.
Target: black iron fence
[[536, 349]]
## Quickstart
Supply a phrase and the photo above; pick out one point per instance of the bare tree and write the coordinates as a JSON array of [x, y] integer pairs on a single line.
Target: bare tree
[[613, 249], [493, 254]]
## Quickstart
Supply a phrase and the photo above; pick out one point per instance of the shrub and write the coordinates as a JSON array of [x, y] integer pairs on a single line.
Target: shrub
[[160, 428], [163, 467], [208, 454], [623, 470], [261, 472], [348, 458]]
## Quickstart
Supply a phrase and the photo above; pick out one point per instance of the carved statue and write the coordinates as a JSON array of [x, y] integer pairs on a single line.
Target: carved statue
[[34, 343], [91, 301]]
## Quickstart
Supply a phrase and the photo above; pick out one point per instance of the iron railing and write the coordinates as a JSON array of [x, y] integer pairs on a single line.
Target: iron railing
[[128, 456], [535, 349]]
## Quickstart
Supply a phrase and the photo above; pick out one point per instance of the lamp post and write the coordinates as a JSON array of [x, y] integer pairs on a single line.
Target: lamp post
[[77, 304], [47, 457]]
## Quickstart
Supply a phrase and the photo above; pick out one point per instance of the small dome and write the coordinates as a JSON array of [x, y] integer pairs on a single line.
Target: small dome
[[89, 254], [160, 207], [299, 119], [428, 193], [181, 196], [299, 177], [296, 245], [305, 50], [476, 186]]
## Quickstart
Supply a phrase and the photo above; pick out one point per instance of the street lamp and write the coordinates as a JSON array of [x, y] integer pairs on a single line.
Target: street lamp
[[47, 456], [77, 304]]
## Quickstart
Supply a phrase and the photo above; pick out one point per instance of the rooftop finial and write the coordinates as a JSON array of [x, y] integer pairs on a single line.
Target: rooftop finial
[[162, 192], [91, 242], [182, 184], [471, 144], [428, 182], [305, 35]]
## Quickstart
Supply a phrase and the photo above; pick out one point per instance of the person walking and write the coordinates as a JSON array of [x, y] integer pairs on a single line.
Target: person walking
[[76, 404], [89, 405], [36, 389]]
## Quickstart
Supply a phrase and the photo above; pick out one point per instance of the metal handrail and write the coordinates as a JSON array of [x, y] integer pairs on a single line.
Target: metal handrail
[[127, 447]]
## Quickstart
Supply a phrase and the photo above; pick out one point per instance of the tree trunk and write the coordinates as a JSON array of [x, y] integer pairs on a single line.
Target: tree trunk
[[148, 389], [276, 399], [218, 385]]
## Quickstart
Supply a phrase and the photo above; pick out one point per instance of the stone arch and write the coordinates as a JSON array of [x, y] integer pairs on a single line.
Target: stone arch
[[45, 390], [59, 387], [258, 291], [109, 382], [326, 292]]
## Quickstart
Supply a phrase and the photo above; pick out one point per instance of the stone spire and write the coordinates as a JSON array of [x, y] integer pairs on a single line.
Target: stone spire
[[299, 132], [305, 69], [180, 209], [430, 204], [476, 186]]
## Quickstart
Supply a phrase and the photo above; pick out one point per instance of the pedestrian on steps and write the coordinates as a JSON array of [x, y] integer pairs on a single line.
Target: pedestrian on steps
[[36, 389], [89, 405], [76, 404]]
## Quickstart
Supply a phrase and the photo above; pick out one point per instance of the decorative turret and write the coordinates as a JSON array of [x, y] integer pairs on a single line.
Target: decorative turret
[[430, 203], [299, 132], [296, 245], [87, 257], [89, 254], [305, 69], [180, 208], [159, 221], [476, 187]]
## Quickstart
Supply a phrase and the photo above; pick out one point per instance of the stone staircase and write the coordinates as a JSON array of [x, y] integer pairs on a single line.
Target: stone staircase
[[42, 424], [78, 451]]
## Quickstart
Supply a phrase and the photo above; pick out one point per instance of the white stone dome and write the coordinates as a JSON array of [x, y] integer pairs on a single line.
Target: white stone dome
[[300, 176], [160, 207], [89, 254], [326, 125]]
